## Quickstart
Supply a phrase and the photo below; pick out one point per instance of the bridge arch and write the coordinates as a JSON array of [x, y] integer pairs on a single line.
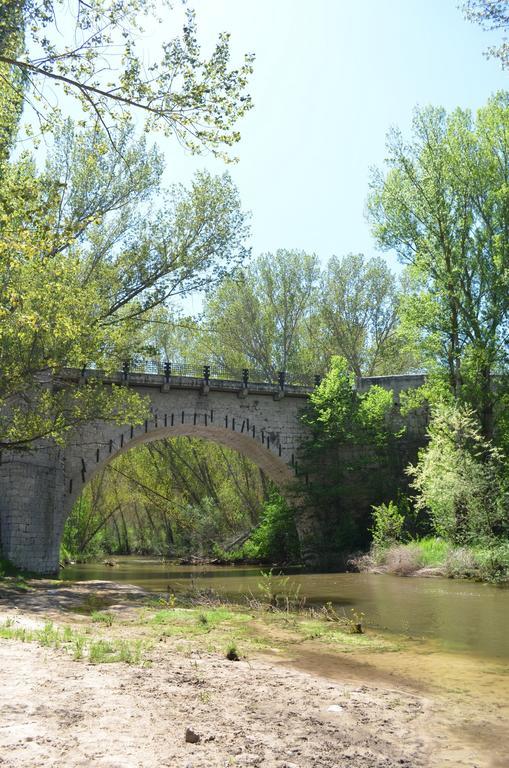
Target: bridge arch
[[258, 451]]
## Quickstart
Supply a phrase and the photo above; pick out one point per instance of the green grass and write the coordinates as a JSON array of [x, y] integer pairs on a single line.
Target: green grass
[[96, 651], [100, 617], [342, 639], [433, 551], [111, 651]]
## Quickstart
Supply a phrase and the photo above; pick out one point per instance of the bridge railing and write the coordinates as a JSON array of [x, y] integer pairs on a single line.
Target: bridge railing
[[214, 371]]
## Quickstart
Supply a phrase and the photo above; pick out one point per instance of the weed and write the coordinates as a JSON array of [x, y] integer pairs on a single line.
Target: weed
[[130, 653], [101, 651], [78, 646], [277, 593], [232, 653], [49, 636], [102, 617]]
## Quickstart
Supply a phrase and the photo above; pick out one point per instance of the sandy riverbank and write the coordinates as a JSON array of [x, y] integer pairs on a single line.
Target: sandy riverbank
[[264, 710]]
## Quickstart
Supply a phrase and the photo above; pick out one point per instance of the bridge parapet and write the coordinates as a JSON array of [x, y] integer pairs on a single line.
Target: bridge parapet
[[156, 380]]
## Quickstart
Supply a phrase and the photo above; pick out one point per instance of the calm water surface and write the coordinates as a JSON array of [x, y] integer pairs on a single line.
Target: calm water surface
[[458, 615]]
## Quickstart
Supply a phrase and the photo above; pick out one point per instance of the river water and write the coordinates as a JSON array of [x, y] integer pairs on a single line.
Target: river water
[[457, 616]]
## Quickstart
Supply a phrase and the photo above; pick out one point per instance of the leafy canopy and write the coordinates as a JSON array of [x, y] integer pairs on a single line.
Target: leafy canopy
[[90, 247], [339, 413], [91, 52]]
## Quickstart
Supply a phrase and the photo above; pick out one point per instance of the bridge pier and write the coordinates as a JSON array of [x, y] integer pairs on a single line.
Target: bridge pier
[[31, 509]]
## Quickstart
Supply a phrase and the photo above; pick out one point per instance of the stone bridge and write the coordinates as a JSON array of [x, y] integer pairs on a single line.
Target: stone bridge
[[259, 420]]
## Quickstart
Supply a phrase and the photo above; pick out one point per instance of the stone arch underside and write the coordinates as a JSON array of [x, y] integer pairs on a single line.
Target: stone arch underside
[[261, 454]]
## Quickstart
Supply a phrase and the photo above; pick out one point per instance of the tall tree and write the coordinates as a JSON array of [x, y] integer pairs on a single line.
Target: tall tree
[[443, 206], [359, 315], [257, 318], [85, 254]]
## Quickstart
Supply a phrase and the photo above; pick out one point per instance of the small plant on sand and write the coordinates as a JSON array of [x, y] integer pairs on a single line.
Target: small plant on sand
[[354, 623], [100, 651], [102, 618], [277, 593], [78, 648], [49, 635], [232, 653]]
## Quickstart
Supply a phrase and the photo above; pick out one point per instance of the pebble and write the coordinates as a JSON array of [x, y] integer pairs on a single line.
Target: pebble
[[191, 736]]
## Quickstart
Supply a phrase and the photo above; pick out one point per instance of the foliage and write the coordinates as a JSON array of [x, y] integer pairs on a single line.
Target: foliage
[[442, 206], [359, 315], [181, 92], [350, 431], [488, 562], [387, 525], [491, 14], [275, 539], [338, 413], [257, 318], [86, 256], [460, 478], [170, 498]]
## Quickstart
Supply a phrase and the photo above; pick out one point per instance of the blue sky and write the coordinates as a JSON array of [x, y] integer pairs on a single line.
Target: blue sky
[[331, 77]]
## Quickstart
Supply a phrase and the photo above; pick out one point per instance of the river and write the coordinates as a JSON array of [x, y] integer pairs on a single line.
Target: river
[[455, 616]]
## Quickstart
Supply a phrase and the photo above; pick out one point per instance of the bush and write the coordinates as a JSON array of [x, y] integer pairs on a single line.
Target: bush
[[460, 478], [276, 538], [493, 561], [461, 564], [388, 525], [403, 560]]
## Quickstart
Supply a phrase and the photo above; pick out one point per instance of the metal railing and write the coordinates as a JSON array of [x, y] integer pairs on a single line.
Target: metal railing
[[212, 371]]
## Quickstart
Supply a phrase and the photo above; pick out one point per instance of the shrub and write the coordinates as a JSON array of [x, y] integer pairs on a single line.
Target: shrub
[[493, 561], [460, 478], [232, 653], [403, 560], [388, 525], [276, 538], [461, 564]]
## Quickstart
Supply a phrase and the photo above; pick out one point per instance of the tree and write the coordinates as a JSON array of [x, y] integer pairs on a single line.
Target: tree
[[256, 318], [443, 206], [85, 256], [350, 432], [359, 315], [90, 51], [491, 14], [170, 497], [338, 413]]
